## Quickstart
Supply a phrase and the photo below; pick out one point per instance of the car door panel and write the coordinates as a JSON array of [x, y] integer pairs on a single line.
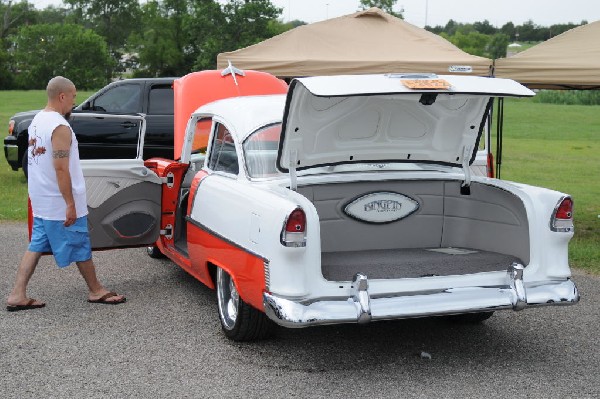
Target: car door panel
[[124, 196], [124, 203]]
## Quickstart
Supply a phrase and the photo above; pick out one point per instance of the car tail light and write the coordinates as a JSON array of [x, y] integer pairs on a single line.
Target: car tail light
[[490, 165], [11, 127], [293, 233], [562, 218]]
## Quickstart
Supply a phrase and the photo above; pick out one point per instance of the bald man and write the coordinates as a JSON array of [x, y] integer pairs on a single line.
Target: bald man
[[57, 193]]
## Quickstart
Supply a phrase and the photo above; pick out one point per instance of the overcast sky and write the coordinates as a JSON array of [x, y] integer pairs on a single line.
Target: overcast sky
[[438, 12]]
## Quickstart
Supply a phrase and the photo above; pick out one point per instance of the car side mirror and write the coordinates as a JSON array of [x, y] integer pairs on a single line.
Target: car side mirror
[[86, 106]]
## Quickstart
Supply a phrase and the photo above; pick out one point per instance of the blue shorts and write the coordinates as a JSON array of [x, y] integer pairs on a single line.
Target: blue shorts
[[67, 244]]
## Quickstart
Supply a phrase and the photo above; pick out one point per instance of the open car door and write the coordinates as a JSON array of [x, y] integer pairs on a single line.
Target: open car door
[[123, 196]]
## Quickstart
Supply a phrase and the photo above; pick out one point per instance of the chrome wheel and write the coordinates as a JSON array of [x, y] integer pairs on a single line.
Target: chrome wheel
[[239, 321], [228, 298], [154, 252]]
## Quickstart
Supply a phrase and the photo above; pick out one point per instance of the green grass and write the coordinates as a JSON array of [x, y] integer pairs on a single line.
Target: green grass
[[568, 97], [547, 145], [13, 187], [558, 147]]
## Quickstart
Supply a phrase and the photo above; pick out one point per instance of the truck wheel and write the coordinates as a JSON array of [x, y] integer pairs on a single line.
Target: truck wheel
[[25, 164], [240, 321], [470, 318], [154, 252]]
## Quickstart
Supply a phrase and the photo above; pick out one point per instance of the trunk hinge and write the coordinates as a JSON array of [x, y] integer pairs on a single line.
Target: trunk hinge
[[293, 176], [167, 232], [169, 180], [465, 188]]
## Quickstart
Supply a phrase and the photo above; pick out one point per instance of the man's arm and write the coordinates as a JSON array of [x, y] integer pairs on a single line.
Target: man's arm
[[61, 149]]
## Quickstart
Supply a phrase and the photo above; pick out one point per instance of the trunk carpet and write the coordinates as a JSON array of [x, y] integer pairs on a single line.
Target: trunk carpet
[[409, 263]]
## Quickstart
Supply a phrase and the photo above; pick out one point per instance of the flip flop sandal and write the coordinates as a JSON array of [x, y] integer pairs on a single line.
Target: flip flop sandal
[[29, 305], [103, 299]]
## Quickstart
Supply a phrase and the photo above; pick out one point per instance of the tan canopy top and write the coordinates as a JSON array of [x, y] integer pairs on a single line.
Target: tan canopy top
[[568, 61], [369, 41]]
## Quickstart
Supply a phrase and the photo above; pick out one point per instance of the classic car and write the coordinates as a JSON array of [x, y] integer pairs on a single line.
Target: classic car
[[343, 199]]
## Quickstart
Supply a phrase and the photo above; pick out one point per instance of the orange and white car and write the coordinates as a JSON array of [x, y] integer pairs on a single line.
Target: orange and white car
[[343, 199]]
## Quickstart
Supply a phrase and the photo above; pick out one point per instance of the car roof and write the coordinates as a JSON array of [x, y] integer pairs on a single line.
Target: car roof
[[243, 115]]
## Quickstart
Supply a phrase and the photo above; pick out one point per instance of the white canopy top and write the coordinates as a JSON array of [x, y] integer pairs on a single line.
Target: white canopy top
[[369, 41], [568, 61]]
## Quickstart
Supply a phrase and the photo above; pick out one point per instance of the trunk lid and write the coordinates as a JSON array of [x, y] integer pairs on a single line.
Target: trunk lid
[[331, 120]]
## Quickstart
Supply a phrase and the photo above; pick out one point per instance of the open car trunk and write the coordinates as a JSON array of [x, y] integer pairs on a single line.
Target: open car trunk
[[447, 233]]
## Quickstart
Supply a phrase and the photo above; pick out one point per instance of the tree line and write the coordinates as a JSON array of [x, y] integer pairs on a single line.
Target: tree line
[[486, 40], [93, 41]]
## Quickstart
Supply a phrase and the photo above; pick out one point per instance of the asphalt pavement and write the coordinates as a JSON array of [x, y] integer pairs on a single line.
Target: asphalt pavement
[[165, 342]]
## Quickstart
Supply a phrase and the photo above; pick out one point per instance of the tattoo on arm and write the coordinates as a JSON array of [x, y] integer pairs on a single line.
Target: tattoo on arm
[[60, 154]]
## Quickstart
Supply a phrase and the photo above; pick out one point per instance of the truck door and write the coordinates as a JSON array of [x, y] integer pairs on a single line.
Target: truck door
[[101, 136], [159, 121]]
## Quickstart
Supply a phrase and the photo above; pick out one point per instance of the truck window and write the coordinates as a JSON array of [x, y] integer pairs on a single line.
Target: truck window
[[160, 101], [222, 154], [123, 99]]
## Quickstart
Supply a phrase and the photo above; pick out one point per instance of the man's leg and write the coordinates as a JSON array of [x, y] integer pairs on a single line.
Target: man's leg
[[97, 291], [18, 295]]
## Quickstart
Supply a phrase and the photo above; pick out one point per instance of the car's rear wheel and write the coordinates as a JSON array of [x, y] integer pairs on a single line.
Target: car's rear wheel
[[240, 321], [470, 318]]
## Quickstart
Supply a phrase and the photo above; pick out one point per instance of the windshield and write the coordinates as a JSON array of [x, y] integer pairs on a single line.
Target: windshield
[[260, 153]]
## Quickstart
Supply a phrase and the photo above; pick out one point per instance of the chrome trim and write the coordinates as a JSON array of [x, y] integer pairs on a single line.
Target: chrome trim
[[292, 244], [515, 277], [553, 220], [296, 314], [267, 275], [222, 237], [373, 193], [362, 301], [228, 299]]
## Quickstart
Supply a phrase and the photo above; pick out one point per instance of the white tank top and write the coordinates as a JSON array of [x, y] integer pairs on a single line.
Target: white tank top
[[46, 200]]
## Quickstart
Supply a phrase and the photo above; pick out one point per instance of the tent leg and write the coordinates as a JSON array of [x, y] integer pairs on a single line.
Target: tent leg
[[499, 131]]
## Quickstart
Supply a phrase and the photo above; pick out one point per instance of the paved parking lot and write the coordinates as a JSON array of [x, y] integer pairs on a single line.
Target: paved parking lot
[[166, 342]]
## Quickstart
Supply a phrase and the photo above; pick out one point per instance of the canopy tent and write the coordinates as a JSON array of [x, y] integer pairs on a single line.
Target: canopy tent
[[369, 41], [567, 61]]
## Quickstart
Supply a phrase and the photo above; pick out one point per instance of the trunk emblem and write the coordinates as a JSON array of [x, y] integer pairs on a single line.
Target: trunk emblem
[[381, 207]]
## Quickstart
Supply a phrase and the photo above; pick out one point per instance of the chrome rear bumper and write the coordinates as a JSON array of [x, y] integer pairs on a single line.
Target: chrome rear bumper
[[361, 308]]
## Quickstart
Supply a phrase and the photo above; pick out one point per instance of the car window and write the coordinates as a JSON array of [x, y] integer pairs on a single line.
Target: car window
[[123, 99], [260, 151], [222, 156], [160, 101], [201, 135]]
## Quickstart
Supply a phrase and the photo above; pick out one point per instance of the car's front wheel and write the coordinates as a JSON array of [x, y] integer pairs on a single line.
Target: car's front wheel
[[240, 321], [154, 252]]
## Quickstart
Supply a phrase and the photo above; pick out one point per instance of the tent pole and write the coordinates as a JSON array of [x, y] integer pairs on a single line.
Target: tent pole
[[499, 131]]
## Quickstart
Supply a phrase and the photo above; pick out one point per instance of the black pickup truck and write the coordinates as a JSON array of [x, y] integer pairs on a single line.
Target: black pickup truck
[[101, 137]]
